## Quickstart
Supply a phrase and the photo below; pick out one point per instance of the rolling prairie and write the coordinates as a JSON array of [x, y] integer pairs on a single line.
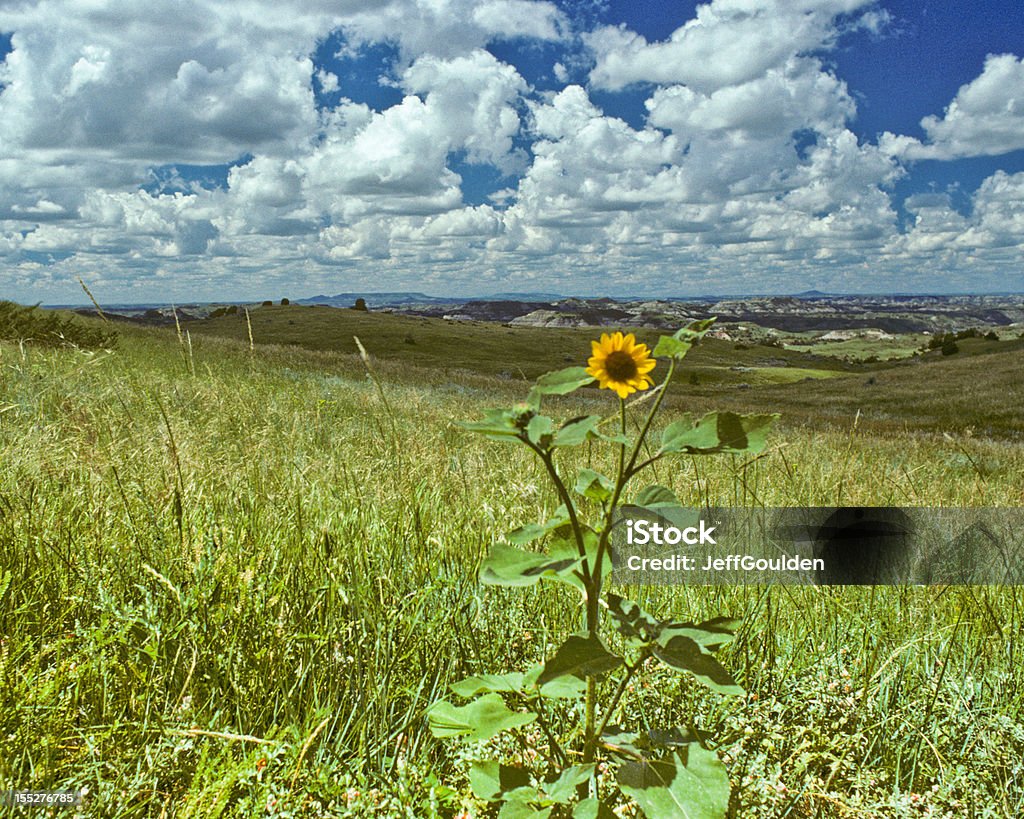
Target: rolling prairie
[[232, 580]]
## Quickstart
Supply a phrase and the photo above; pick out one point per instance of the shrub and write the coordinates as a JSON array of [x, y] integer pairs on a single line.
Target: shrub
[[30, 324], [360, 305], [285, 302]]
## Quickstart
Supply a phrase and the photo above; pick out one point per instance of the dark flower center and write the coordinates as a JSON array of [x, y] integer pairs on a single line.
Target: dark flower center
[[621, 366]]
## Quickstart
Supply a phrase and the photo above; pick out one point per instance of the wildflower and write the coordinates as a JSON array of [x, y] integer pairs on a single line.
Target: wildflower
[[619, 363]]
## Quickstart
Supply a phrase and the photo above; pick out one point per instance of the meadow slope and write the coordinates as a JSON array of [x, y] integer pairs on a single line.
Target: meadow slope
[[232, 581]]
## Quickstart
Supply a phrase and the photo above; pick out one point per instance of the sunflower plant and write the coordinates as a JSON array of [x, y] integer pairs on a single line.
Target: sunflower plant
[[563, 711]]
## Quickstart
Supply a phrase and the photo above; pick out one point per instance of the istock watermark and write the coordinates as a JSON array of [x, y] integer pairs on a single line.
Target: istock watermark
[[667, 545]]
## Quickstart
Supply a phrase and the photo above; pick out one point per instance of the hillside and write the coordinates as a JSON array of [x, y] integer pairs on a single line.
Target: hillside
[[981, 388], [483, 347]]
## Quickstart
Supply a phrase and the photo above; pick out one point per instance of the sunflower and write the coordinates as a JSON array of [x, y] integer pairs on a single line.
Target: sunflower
[[620, 364]]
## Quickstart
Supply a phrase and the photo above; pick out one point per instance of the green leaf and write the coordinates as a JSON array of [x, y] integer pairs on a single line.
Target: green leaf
[[563, 789], [684, 654], [679, 343], [717, 432], [509, 566], [511, 683], [491, 780], [577, 431], [521, 809], [698, 789], [670, 347], [709, 635], [562, 688], [563, 545], [482, 719], [631, 744], [627, 743], [532, 531], [722, 625], [697, 328], [631, 621], [580, 656], [495, 424], [562, 382], [594, 485], [503, 424], [540, 430], [674, 738], [592, 809], [656, 495], [684, 435], [755, 429]]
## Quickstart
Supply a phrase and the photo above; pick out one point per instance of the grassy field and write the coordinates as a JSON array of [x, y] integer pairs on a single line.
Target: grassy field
[[231, 582], [980, 390]]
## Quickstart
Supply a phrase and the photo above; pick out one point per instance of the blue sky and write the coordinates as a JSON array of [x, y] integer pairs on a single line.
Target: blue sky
[[201, 150]]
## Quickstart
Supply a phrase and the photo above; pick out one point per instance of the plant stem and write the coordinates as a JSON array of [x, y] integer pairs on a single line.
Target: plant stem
[[591, 718], [650, 417], [626, 473], [630, 671], [563, 493]]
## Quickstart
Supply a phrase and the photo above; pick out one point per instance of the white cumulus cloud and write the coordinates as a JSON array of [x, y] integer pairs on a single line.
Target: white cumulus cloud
[[985, 118], [728, 42]]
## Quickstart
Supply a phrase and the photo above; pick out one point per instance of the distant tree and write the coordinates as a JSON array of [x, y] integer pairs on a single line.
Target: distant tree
[[268, 303], [991, 336], [949, 347], [360, 304], [285, 302]]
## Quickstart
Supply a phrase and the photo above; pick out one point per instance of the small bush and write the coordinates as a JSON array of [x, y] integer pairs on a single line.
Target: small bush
[[360, 305], [949, 347], [268, 303], [285, 302], [52, 329]]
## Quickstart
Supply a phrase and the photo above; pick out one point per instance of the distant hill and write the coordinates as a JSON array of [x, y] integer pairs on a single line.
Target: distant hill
[[483, 346], [404, 298], [979, 388], [385, 299]]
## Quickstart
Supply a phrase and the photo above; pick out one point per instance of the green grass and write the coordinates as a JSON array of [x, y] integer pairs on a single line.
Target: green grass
[[980, 390], [235, 592], [451, 346], [901, 345]]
